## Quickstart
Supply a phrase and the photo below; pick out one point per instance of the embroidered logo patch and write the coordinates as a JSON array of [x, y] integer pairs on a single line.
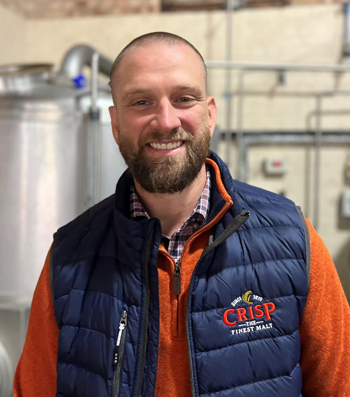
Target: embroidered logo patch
[[253, 317]]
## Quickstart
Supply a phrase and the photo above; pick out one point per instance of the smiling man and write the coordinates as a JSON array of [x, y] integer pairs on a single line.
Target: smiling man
[[185, 282], [162, 121]]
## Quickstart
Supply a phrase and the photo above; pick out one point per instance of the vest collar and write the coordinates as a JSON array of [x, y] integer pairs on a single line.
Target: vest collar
[[223, 188], [222, 191]]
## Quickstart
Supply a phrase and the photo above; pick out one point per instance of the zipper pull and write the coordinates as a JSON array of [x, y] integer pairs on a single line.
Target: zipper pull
[[177, 279], [122, 326]]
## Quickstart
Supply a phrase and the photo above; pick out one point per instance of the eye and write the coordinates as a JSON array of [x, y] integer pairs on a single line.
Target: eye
[[185, 99], [185, 102], [141, 103]]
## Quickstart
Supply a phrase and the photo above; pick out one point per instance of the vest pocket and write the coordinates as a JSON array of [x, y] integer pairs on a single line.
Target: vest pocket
[[119, 353]]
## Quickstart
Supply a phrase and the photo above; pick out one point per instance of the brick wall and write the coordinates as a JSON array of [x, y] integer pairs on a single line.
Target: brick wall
[[80, 8]]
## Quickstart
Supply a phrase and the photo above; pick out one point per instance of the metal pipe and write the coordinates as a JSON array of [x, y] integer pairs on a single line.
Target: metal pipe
[[95, 134], [94, 147], [318, 143], [244, 156], [229, 28], [241, 166], [6, 374], [96, 130], [348, 28], [81, 55], [295, 138], [277, 67], [346, 48], [94, 80]]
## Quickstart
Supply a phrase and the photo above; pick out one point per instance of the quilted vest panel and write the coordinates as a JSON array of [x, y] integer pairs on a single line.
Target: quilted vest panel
[[246, 298], [98, 270]]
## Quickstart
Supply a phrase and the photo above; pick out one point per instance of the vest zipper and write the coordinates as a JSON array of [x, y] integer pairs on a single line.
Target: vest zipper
[[140, 369], [177, 279], [177, 292], [176, 287], [119, 353], [238, 221]]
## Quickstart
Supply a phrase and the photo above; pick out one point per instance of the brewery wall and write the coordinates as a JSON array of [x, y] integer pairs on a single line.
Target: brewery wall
[[295, 35], [279, 103], [308, 34], [12, 37]]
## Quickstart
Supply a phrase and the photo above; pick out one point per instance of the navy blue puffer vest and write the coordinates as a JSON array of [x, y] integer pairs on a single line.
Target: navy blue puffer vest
[[247, 294]]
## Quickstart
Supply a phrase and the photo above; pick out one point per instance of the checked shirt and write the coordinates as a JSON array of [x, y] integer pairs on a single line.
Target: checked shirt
[[175, 244]]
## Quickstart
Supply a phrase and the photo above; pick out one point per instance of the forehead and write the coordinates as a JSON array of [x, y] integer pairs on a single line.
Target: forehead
[[160, 63]]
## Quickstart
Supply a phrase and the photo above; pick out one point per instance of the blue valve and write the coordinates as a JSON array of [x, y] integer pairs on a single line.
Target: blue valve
[[79, 81]]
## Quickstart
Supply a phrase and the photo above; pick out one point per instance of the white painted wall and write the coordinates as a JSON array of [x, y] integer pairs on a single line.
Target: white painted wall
[[12, 37], [298, 35]]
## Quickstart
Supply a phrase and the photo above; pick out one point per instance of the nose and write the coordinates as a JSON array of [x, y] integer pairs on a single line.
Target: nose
[[166, 117]]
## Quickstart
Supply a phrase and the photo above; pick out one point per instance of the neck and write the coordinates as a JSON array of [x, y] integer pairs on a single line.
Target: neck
[[172, 209]]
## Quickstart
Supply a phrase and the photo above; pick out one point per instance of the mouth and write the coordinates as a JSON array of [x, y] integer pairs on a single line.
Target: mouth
[[166, 146]]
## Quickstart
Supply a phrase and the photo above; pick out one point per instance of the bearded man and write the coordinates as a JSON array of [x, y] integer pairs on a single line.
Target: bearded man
[[185, 282]]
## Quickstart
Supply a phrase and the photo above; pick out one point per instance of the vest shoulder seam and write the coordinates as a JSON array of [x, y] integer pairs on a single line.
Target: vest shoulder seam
[[307, 243]]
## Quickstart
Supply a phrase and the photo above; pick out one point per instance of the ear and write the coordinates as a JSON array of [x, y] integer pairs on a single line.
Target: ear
[[212, 113], [114, 122]]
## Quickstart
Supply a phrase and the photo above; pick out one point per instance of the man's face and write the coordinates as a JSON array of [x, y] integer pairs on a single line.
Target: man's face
[[162, 119]]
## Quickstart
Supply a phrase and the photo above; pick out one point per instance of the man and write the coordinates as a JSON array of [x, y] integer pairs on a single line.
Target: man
[[184, 282]]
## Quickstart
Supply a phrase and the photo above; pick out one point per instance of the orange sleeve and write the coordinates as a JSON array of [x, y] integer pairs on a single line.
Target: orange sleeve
[[36, 371], [324, 328]]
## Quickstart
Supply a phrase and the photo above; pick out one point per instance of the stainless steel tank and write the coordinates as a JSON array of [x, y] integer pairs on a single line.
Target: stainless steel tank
[[51, 154], [42, 171], [57, 158]]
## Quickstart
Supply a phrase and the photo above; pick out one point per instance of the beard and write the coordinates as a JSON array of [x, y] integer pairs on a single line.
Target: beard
[[168, 174]]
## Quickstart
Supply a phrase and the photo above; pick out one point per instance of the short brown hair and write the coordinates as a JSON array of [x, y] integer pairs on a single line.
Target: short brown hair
[[150, 38]]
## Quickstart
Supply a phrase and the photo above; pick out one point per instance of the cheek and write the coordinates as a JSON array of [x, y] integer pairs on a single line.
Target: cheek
[[191, 124], [135, 126], [192, 121], [127, 139], [131, 139]]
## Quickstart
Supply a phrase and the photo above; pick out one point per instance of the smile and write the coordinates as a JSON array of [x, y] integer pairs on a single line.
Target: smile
[[166, 146]]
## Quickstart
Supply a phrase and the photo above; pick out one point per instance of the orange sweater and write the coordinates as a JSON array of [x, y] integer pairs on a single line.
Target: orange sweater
[[325, 339]]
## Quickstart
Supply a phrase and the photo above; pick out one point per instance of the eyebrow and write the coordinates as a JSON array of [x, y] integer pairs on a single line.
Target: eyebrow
[[135, 91], [190, 87], [142, 91]]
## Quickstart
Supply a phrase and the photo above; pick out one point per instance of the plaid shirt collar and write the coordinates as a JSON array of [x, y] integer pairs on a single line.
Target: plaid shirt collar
[[200, 213]]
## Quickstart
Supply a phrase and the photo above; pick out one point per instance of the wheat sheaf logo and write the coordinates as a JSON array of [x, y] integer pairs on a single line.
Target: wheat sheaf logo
[[247, 296]]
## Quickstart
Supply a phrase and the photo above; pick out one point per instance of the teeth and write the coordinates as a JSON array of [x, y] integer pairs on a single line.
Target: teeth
[[164, 146]]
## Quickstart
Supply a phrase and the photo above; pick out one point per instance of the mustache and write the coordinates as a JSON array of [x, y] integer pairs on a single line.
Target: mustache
[[178, 134]]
